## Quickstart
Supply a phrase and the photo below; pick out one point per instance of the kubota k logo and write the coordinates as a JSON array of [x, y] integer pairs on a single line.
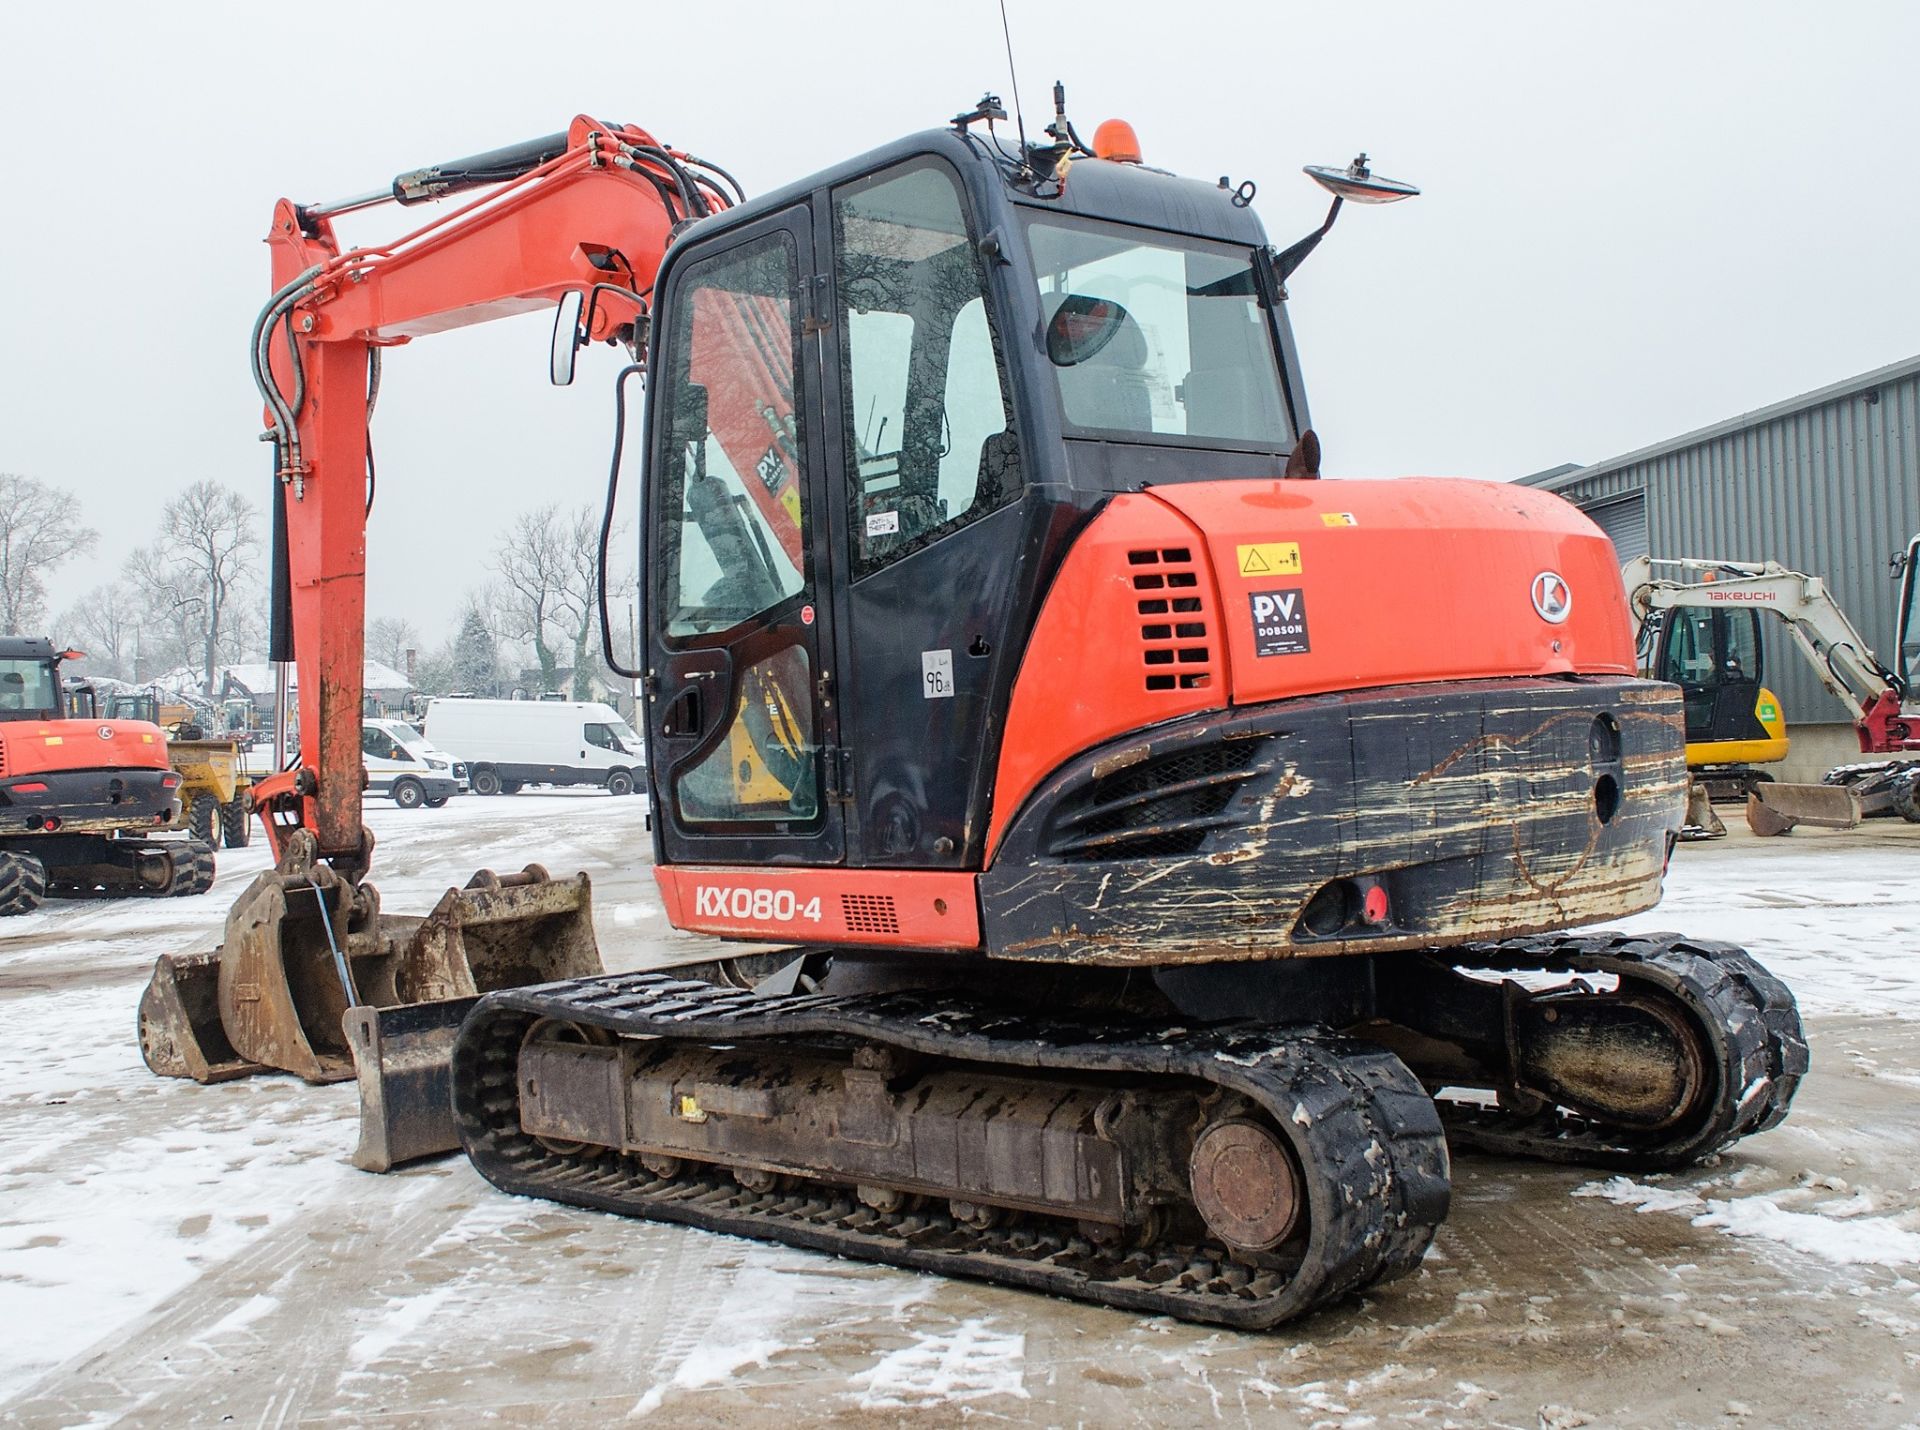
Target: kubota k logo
[[105, 732], [1552, 597]]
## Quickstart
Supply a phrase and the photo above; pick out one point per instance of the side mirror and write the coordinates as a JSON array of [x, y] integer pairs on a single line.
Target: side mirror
[[1357, 183], [566, 338]]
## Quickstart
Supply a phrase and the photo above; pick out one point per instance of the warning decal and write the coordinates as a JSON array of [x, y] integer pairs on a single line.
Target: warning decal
[[1338, 518], [1268, 558], [1279, 622]]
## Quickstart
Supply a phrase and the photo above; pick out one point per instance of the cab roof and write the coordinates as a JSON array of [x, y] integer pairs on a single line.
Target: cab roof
[[34, 648], [1094, 188]]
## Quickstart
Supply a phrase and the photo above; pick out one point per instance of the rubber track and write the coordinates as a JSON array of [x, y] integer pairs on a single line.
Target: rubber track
[[1354, 1112], [1757, 1047]]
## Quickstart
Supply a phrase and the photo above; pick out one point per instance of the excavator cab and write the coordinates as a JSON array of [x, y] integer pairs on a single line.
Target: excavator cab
[[878, 408], [1716, 658]]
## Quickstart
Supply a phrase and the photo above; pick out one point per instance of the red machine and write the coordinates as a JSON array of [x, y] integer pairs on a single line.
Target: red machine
[[78, 794], [1155, 824]]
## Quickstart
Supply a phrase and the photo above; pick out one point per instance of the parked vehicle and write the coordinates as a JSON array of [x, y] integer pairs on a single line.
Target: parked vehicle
[[404, 765], [509, 744]]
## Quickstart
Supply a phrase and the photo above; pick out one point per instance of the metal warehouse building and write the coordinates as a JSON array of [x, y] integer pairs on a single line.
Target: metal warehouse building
[[1827, 483]]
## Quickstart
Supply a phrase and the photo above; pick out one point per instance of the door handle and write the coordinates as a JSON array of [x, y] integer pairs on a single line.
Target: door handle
[[684, 715]]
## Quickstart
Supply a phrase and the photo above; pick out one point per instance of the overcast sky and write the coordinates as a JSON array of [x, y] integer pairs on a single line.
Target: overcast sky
[[1637, 219]]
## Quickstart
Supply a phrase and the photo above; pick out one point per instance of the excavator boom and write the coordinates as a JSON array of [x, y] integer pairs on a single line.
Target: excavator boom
[[589, 211], [592, 210]]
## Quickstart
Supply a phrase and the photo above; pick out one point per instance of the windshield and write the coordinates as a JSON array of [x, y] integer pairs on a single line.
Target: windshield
[[1158, 336], [614, 735], [26, 688]]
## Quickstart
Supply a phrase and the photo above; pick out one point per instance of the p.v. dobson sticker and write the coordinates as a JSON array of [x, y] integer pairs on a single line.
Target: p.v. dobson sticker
[[1279, 622]]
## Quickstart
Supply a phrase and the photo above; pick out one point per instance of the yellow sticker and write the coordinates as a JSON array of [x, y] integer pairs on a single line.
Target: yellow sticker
[[790, 499], [56, 740], [1269, 558], [1338, 518]]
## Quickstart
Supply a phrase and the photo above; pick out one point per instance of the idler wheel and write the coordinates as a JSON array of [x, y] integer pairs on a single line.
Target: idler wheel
[[1245, 1184]]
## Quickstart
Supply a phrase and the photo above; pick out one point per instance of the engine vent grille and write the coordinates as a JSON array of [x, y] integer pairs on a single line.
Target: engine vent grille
[[1165, 805], [1175, 624], [869, 913], [3, 759]]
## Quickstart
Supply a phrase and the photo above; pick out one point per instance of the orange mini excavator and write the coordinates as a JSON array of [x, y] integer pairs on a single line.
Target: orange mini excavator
[[81, 796], [1161, 832]]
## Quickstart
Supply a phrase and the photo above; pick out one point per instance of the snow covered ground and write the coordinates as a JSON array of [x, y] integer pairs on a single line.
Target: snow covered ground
[[176, 1254]]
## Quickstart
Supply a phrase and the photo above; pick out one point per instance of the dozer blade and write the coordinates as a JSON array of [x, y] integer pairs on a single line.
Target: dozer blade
[[496, 933], [404, 1057], [1776, 808]]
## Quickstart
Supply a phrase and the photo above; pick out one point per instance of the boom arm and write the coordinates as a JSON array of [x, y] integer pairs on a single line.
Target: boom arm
[[1821, 631], [591, 210]]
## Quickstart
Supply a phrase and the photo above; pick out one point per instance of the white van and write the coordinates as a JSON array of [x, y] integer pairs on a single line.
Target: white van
[[508, 744], [402, 764]]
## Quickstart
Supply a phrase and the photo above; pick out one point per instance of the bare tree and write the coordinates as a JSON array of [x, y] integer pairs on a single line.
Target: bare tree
[[106, 625], [199, 575], [390, 638], [580, 584], [531, 562], [39, 528]]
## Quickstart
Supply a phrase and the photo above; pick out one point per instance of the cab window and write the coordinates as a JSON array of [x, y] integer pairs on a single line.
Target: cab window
[[378, 744], [26, 686], [601, 737], [925, 417], [735, 539], [1157, 337]]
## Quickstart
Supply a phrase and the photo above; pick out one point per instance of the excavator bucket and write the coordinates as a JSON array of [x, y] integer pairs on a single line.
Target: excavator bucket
[[1776, 808], [1700, 822], [313, 979], [180, 1031]]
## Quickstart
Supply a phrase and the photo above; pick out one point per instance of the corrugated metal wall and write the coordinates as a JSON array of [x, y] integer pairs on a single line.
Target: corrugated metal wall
[[1832, 489]]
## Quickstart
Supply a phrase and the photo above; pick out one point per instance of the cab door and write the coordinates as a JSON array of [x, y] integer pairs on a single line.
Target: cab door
[[742, 727], [1715, 659]]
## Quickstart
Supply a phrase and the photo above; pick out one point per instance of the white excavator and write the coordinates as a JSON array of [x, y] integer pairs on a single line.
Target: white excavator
[[1711, 650]]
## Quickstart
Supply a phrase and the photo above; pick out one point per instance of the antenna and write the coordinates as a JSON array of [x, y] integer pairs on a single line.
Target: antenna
[[1019, 119]]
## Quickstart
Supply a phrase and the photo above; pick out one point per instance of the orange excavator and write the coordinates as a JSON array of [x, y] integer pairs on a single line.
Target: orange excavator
[[1176, 851], [82, 797]]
